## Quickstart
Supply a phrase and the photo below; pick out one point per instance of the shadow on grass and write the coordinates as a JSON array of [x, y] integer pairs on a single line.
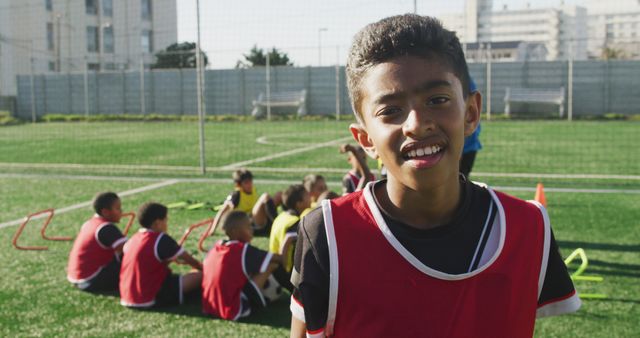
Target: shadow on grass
[[276, 314], [599, 246]]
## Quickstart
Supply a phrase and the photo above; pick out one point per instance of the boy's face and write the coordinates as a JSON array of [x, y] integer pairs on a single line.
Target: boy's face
[[113, 214], [304, 204], [318, 188], [247, 186], [244, 232], [415, 119], [161, 225]]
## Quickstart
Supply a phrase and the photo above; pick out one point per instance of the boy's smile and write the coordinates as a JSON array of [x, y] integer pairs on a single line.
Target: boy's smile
[[415, 119]]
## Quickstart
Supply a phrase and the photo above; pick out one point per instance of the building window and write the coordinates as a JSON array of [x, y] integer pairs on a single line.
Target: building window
[[92, 39], [147, 41], [49, 5], [110, 66], [52, 66], [145, 9], [50, 45], [107, 7], [91, 7], [107, 39], [93, 66]]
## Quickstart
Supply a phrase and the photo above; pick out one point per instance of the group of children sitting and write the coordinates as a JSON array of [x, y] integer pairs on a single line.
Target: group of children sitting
[[234, 274]]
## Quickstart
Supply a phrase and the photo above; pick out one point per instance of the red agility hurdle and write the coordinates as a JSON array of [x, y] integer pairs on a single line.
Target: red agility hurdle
[[204, 236], [46, 224], [42, 231], [132, 217], [192, 227]]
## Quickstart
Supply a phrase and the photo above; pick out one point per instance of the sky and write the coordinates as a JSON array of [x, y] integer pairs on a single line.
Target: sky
[[302, 28]]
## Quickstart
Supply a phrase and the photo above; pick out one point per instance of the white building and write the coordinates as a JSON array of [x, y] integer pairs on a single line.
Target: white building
[[562, 30], [614, 26], [63, 35]]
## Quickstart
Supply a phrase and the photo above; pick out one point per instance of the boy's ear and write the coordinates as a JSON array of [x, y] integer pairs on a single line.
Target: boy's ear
[[472, 113], [362, 137]]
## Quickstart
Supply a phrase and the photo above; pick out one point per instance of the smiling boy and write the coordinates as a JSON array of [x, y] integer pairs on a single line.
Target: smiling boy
[[424, 252]]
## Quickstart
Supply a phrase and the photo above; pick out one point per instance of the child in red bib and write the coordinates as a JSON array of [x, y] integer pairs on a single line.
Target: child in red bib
[[359, 175], [235, 273], [424, 253], [94, 260], [145, 278]]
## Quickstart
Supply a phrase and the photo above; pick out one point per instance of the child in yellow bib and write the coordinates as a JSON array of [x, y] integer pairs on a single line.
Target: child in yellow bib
[[284, 231]]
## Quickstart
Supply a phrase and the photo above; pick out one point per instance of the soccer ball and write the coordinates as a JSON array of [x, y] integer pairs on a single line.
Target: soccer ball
[[272, 290]]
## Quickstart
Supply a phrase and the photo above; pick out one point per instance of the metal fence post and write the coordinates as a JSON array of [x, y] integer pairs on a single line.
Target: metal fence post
[[143, 108], [33, 93], [488, 81], [200, 89], [337, 82], [268, 88], [570, 91], [86, 89]]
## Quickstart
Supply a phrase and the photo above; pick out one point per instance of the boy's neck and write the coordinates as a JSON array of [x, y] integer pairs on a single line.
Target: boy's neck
[[421, 209]]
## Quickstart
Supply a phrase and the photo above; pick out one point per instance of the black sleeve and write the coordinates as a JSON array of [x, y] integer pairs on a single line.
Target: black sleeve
[[256, 260], [109, 235], [234, 198], [557, 283], [168, 248], [347, 187], [310, 277]]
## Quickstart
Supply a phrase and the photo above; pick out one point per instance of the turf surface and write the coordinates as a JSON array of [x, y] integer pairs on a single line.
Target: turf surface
[[37, 301]]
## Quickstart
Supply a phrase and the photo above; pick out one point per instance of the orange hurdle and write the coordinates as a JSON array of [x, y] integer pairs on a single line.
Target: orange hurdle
[[193, 227], [132, 217], [46, 224], [204, 236], [21, 227]]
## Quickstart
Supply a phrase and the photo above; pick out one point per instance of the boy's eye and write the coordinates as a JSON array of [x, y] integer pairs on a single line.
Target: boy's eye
[[438, 100], [388, 111]]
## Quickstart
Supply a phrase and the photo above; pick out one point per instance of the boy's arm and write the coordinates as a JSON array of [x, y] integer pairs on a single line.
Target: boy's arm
[[289, 240], [226, 207], [187, 258], [310, 278], [558, 295], [298, 328], [109, 236]]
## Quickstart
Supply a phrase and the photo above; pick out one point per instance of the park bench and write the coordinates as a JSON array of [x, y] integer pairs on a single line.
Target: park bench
[[534, 95], [297, 99]]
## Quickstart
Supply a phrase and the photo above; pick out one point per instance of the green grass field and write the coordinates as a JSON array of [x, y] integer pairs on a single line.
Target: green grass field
[[37, 300]]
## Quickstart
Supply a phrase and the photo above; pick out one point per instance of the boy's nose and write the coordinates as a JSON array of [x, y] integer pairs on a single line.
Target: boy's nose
[[418, 124]]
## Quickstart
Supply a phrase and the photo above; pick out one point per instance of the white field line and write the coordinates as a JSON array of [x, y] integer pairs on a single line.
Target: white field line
[[88, 203], [286, 153], [170, 181], [234, 166], [285, 182]]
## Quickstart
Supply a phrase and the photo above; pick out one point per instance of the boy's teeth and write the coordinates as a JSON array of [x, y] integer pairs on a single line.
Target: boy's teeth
[[424, 151]]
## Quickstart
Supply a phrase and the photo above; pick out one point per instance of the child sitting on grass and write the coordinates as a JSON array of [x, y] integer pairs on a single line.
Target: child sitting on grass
[[261, 209], [94, 260], [145, 278], [296, 200], [235, 272], [315, 185], [360, 174]]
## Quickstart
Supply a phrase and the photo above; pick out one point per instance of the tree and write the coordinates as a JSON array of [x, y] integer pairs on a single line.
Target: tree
[[257, 57], [179, 55], [611, 53]]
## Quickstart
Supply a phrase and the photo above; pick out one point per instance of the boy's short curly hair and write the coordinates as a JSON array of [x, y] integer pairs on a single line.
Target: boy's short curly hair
[[150, 212], [104, 200], [241, 175], [402, 35]]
